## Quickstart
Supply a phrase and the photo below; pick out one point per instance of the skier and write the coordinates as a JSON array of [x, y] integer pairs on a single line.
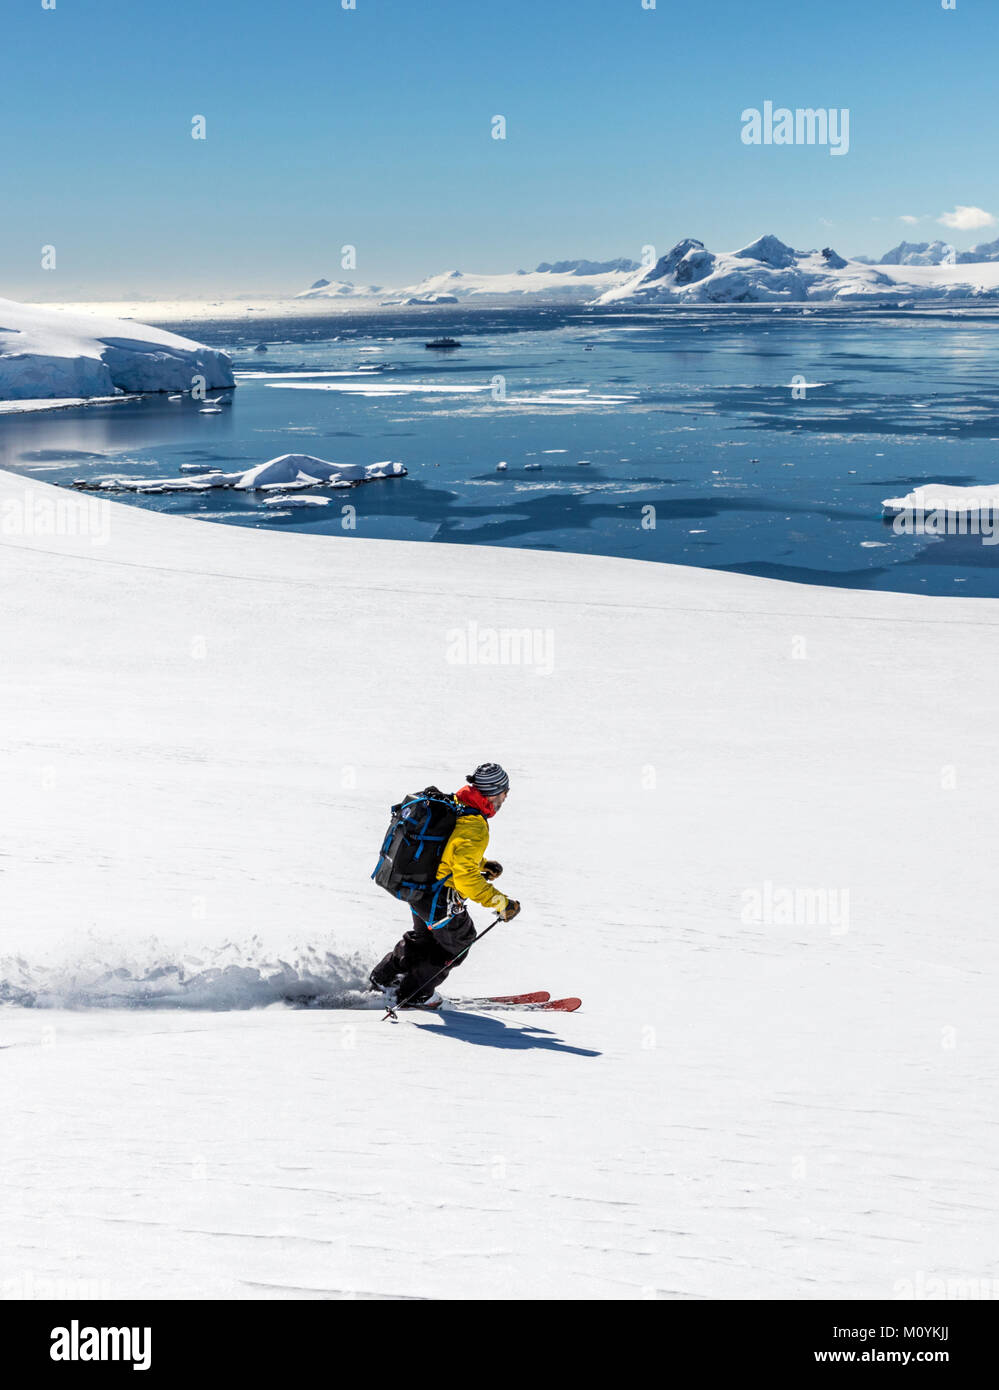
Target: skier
[[442, 927]]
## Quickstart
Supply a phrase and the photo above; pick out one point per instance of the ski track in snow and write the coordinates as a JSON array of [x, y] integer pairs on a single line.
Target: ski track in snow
[[201, 746]]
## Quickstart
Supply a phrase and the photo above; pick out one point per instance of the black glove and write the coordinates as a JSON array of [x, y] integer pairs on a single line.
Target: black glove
[[491, 868], [510, 911]]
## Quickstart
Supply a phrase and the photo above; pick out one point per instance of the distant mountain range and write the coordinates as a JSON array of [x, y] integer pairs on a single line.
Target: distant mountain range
[[766, 270], [770, 270], [554, 282], [934, 253]]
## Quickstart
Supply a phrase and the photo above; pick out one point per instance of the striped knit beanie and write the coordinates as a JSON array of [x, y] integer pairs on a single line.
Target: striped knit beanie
[[489, 778]]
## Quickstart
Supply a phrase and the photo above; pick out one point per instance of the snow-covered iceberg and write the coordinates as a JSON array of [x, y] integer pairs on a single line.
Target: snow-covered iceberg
[[287, 471], [943, 498], [48, 353]]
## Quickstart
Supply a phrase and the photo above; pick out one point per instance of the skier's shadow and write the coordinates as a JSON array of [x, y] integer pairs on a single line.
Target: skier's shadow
[[485, 1030]]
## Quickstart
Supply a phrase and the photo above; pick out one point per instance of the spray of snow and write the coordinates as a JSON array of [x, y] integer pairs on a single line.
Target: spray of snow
[[104, 974]]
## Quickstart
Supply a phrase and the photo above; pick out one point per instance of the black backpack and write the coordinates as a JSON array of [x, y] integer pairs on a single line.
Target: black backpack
[[414, 842]]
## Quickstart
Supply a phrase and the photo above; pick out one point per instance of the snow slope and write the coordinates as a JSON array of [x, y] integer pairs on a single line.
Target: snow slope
[[551, 282], [340, 289], [46, 352], [770, 270], [202, 729]]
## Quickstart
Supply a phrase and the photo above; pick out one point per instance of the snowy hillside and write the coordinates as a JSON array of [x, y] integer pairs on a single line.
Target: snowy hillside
[[340, 289], [769, 270], [739, 829], [563, 282], [47, 352], [559, 282]]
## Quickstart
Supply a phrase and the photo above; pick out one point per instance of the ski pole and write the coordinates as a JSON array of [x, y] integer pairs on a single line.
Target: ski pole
[[494, 923]]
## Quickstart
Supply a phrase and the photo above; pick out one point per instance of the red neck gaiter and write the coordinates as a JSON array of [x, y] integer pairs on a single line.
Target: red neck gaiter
[[471, 796]]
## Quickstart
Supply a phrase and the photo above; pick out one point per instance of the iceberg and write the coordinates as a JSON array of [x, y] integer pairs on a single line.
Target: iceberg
[[49, 353], [943, 497], [285, 471]]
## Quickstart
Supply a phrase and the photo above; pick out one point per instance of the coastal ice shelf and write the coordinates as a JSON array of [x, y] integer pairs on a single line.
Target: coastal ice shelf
[[47, 352]]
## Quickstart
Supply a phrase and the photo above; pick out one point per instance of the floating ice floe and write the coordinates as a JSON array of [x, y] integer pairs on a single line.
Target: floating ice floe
[[296, 500], [940, 497], [939, 510], [364, 369], [287, 471]]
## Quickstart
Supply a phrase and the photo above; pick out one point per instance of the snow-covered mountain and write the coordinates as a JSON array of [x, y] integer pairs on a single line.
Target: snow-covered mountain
[[984, 251], [551, 282], [768, 269], [920, 253], [558, 282], [47, 353], [586, 267], [340, 289], [934, 253]]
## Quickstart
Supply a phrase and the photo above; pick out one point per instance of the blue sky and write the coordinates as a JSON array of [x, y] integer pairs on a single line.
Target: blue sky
[[372, 127]]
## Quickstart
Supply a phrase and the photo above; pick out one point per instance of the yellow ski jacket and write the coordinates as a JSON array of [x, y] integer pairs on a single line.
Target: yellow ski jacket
[[462, 861]]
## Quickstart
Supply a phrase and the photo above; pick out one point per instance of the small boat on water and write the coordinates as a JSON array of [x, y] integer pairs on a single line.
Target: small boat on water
[[443, 343]]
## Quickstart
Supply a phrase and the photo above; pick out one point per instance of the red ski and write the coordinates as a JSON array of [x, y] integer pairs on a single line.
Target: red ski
[[564, 1006], [541, 997], [540, 1002]]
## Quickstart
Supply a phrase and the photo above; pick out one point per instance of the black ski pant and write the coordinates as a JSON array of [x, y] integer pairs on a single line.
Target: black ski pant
[[421, 953]]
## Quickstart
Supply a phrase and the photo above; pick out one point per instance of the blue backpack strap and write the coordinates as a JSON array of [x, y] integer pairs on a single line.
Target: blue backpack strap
[[439, 887]]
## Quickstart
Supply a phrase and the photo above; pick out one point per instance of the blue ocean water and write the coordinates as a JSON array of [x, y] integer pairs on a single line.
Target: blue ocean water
[[661, 435]]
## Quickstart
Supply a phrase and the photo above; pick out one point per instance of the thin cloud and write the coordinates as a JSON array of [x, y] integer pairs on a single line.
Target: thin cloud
[[906, 217], [964, 219]]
